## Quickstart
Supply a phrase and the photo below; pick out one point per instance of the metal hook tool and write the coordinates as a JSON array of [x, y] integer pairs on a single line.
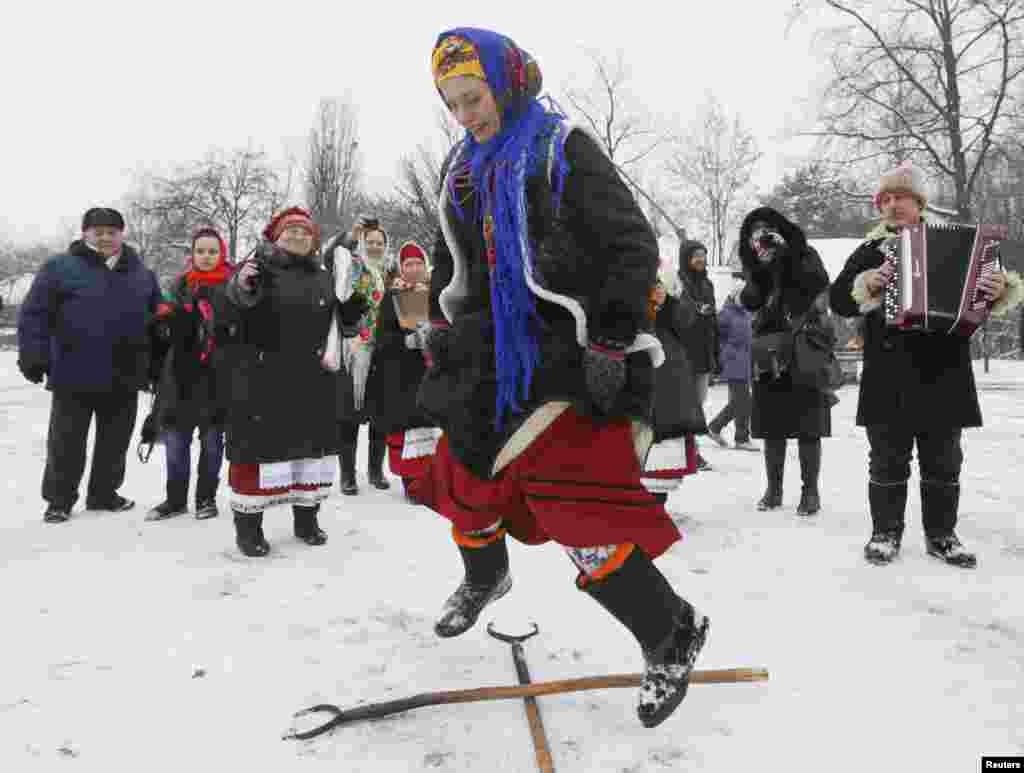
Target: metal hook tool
[[540, 740]]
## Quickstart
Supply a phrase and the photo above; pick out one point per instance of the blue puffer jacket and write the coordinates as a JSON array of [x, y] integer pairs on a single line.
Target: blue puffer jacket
[[735, 335], [88, 325]]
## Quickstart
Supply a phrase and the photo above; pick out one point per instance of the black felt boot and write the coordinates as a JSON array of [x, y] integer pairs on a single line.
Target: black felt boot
[[940, 505], [888, 503], [774, 468], [347, 466], [375, 460], [306, 527], [249, 534], [670, 631], [486, 580], [810, 469]]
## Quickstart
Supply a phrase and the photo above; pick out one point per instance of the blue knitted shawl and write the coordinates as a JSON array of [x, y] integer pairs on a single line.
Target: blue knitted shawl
[[498, 170]]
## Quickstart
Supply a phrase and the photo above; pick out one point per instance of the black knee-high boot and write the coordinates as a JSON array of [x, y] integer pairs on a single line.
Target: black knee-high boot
[[305, 525], [810, 470], [486, 579], [249, 534], [669, 630], [375, 459], [347, 437], [774, 467], [888, 502]]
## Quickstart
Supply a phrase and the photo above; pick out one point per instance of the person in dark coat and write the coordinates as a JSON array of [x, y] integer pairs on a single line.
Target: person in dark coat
[[541, 370], [396, 372], [701, 340], [678, 414], [735, 335], [86, 327], [281, 425], [189, 399], [785, 280], [359, 264], [915, 388]]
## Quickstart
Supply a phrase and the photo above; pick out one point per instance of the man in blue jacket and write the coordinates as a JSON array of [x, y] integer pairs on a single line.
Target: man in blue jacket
[[85, 327]]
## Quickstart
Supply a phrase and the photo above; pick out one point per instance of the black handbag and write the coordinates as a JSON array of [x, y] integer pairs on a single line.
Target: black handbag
[[813, 361], [771, 355]]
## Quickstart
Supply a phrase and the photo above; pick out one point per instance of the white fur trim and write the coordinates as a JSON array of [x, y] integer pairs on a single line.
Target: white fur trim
[[1012, 296], [342, 273], [866, 302], [528, 431]]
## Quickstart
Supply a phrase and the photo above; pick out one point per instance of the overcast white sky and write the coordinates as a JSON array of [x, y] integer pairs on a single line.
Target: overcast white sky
[[94, 90]]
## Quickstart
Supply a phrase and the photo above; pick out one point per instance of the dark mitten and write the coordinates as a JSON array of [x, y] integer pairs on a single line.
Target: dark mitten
[[33, 371], [352, 310], [604, 366]]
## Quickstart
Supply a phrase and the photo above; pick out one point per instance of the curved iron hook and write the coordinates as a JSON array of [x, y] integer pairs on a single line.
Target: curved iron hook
[[509, 638]]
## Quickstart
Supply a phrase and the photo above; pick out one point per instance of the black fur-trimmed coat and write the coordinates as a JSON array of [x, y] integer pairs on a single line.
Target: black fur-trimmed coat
[[598, 251], [777, 293], [912, 379]]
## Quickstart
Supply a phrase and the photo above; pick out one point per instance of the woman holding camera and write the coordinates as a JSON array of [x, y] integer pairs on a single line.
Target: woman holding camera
[[282, 379], [785, 284]]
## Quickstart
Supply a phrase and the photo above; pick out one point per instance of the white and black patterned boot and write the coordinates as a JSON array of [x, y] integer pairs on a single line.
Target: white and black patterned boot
[[670, 632], [487, 579]]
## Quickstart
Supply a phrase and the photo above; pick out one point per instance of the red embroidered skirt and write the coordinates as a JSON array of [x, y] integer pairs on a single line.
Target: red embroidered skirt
[[305, 482], [578, 484]]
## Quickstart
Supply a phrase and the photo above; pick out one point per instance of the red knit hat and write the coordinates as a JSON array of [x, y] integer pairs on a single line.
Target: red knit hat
[[289, 217], [411, 250]]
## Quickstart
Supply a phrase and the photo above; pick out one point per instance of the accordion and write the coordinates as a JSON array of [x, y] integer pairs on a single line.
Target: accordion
[[934, 287]]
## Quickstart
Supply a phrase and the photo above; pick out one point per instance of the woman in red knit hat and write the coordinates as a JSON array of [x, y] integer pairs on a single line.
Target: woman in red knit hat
[[282, 379], [397, 370]]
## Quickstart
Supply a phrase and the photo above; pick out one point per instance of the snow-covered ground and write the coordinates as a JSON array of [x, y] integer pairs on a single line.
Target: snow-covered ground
[[155, 646]]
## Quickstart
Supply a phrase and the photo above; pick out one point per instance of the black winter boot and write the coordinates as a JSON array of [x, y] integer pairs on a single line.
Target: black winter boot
[[774, 467], [670, 631], [940, 504], [306, 527], [174, 505], [347, 465], [888, 503], [486, 580], [810, 469], [375, 460], [249, 534]]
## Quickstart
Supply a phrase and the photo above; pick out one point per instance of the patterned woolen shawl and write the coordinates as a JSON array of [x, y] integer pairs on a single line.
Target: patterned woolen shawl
[[498, 170]]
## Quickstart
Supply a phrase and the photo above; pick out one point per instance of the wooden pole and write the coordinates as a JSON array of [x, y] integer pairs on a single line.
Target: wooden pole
[[386, 708]]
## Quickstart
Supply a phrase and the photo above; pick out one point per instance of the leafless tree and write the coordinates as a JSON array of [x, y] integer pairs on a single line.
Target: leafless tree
[[713, 164], [333, 170], [236, 191], [931, 80], [412, 209], [628, 132]]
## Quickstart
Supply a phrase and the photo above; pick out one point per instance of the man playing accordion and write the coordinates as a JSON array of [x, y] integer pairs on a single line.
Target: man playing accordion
[[916, 387]]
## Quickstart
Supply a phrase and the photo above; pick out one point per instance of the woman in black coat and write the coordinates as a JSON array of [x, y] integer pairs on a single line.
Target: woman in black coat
[[189, 395], [784, 279], [396, 371], [281, 429], [678, 414]]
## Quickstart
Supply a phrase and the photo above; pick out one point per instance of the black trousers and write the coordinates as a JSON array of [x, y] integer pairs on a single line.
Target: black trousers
[[70, 416], [737, 409], [348, 437], [939, 456]]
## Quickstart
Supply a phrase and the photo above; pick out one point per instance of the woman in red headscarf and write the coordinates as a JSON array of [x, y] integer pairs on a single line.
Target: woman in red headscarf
[[282, 380], [188, 395], [396, 372]]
